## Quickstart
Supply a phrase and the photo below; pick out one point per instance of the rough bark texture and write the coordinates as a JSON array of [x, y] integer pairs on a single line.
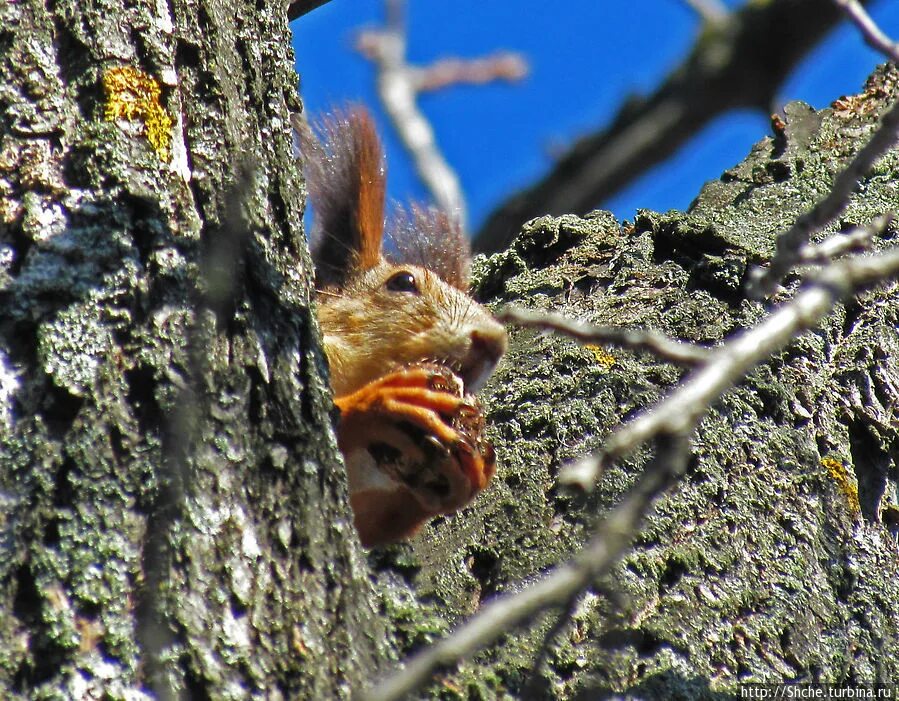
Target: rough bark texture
[[172, 515], [774, 560], [173, 518]]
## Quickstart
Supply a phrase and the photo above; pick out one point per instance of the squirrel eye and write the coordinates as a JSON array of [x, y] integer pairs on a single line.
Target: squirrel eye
[[402, 282]]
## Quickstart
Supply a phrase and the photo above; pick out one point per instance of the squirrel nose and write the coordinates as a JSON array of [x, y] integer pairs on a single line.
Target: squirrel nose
[[487, 347]]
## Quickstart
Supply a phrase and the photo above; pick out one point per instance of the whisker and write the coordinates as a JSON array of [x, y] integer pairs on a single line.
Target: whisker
[[329, 293]]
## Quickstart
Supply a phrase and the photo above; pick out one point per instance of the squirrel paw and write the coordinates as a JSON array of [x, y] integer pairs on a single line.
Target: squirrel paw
[[414, 449]]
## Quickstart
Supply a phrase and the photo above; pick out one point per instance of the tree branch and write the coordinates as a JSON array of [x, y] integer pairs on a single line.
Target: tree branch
[[856, 239], [870, 31], [301, 7], [397, 90], [634, 339], [399, 84], [740, 63], [792, 243], [503, 65]]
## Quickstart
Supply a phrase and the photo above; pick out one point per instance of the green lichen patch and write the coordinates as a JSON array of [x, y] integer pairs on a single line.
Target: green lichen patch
[[73, 346]]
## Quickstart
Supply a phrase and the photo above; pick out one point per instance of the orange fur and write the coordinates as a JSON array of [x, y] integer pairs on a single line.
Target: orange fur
[[371, 190], [400, 355]]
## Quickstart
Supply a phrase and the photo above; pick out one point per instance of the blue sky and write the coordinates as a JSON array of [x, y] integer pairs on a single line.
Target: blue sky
[[585, 58]]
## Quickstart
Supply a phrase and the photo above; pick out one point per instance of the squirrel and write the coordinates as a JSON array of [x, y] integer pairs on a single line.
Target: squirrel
[[407, 346]]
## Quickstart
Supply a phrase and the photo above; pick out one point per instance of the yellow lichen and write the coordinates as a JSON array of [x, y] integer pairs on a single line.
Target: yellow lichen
[[845, 483], [603, 357], [133, 95]]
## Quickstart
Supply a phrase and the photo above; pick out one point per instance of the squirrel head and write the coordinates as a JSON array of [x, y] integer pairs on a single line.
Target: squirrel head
[[387, 299]]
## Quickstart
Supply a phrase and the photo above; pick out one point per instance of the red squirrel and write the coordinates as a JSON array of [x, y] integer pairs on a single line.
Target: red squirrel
[[406, 344]]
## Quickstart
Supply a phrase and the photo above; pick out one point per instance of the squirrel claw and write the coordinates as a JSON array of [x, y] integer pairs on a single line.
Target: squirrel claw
[[414, 450], [478, 463], [425, 396], [437, 445]]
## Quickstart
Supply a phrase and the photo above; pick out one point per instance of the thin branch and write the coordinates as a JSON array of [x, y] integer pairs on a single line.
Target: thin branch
[[711, 11], [398, 92], [740, 64], [791, 242], [730, 363], [634, 339], [873, 35], [503, 65], [399, 84], [504, 613], [857, 239]]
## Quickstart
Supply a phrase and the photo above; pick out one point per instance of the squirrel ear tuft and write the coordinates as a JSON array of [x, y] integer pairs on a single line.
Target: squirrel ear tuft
[[430, 238], [345, 177]]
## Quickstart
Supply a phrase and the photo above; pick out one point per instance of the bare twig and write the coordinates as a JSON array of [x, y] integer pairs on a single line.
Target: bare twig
[[503, 65], [739, 64], [856, 239], [711, 11], [399, 84], [635, 339], [792, 244], [397, 89], [612, 536], [729, 363], [873, 35]]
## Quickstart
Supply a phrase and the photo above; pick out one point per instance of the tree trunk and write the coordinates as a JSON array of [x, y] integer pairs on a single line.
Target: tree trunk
[[173, 517]]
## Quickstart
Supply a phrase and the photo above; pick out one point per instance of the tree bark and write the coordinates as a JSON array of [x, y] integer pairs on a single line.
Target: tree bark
[[776, 558], [173, 514], [173, 517]]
